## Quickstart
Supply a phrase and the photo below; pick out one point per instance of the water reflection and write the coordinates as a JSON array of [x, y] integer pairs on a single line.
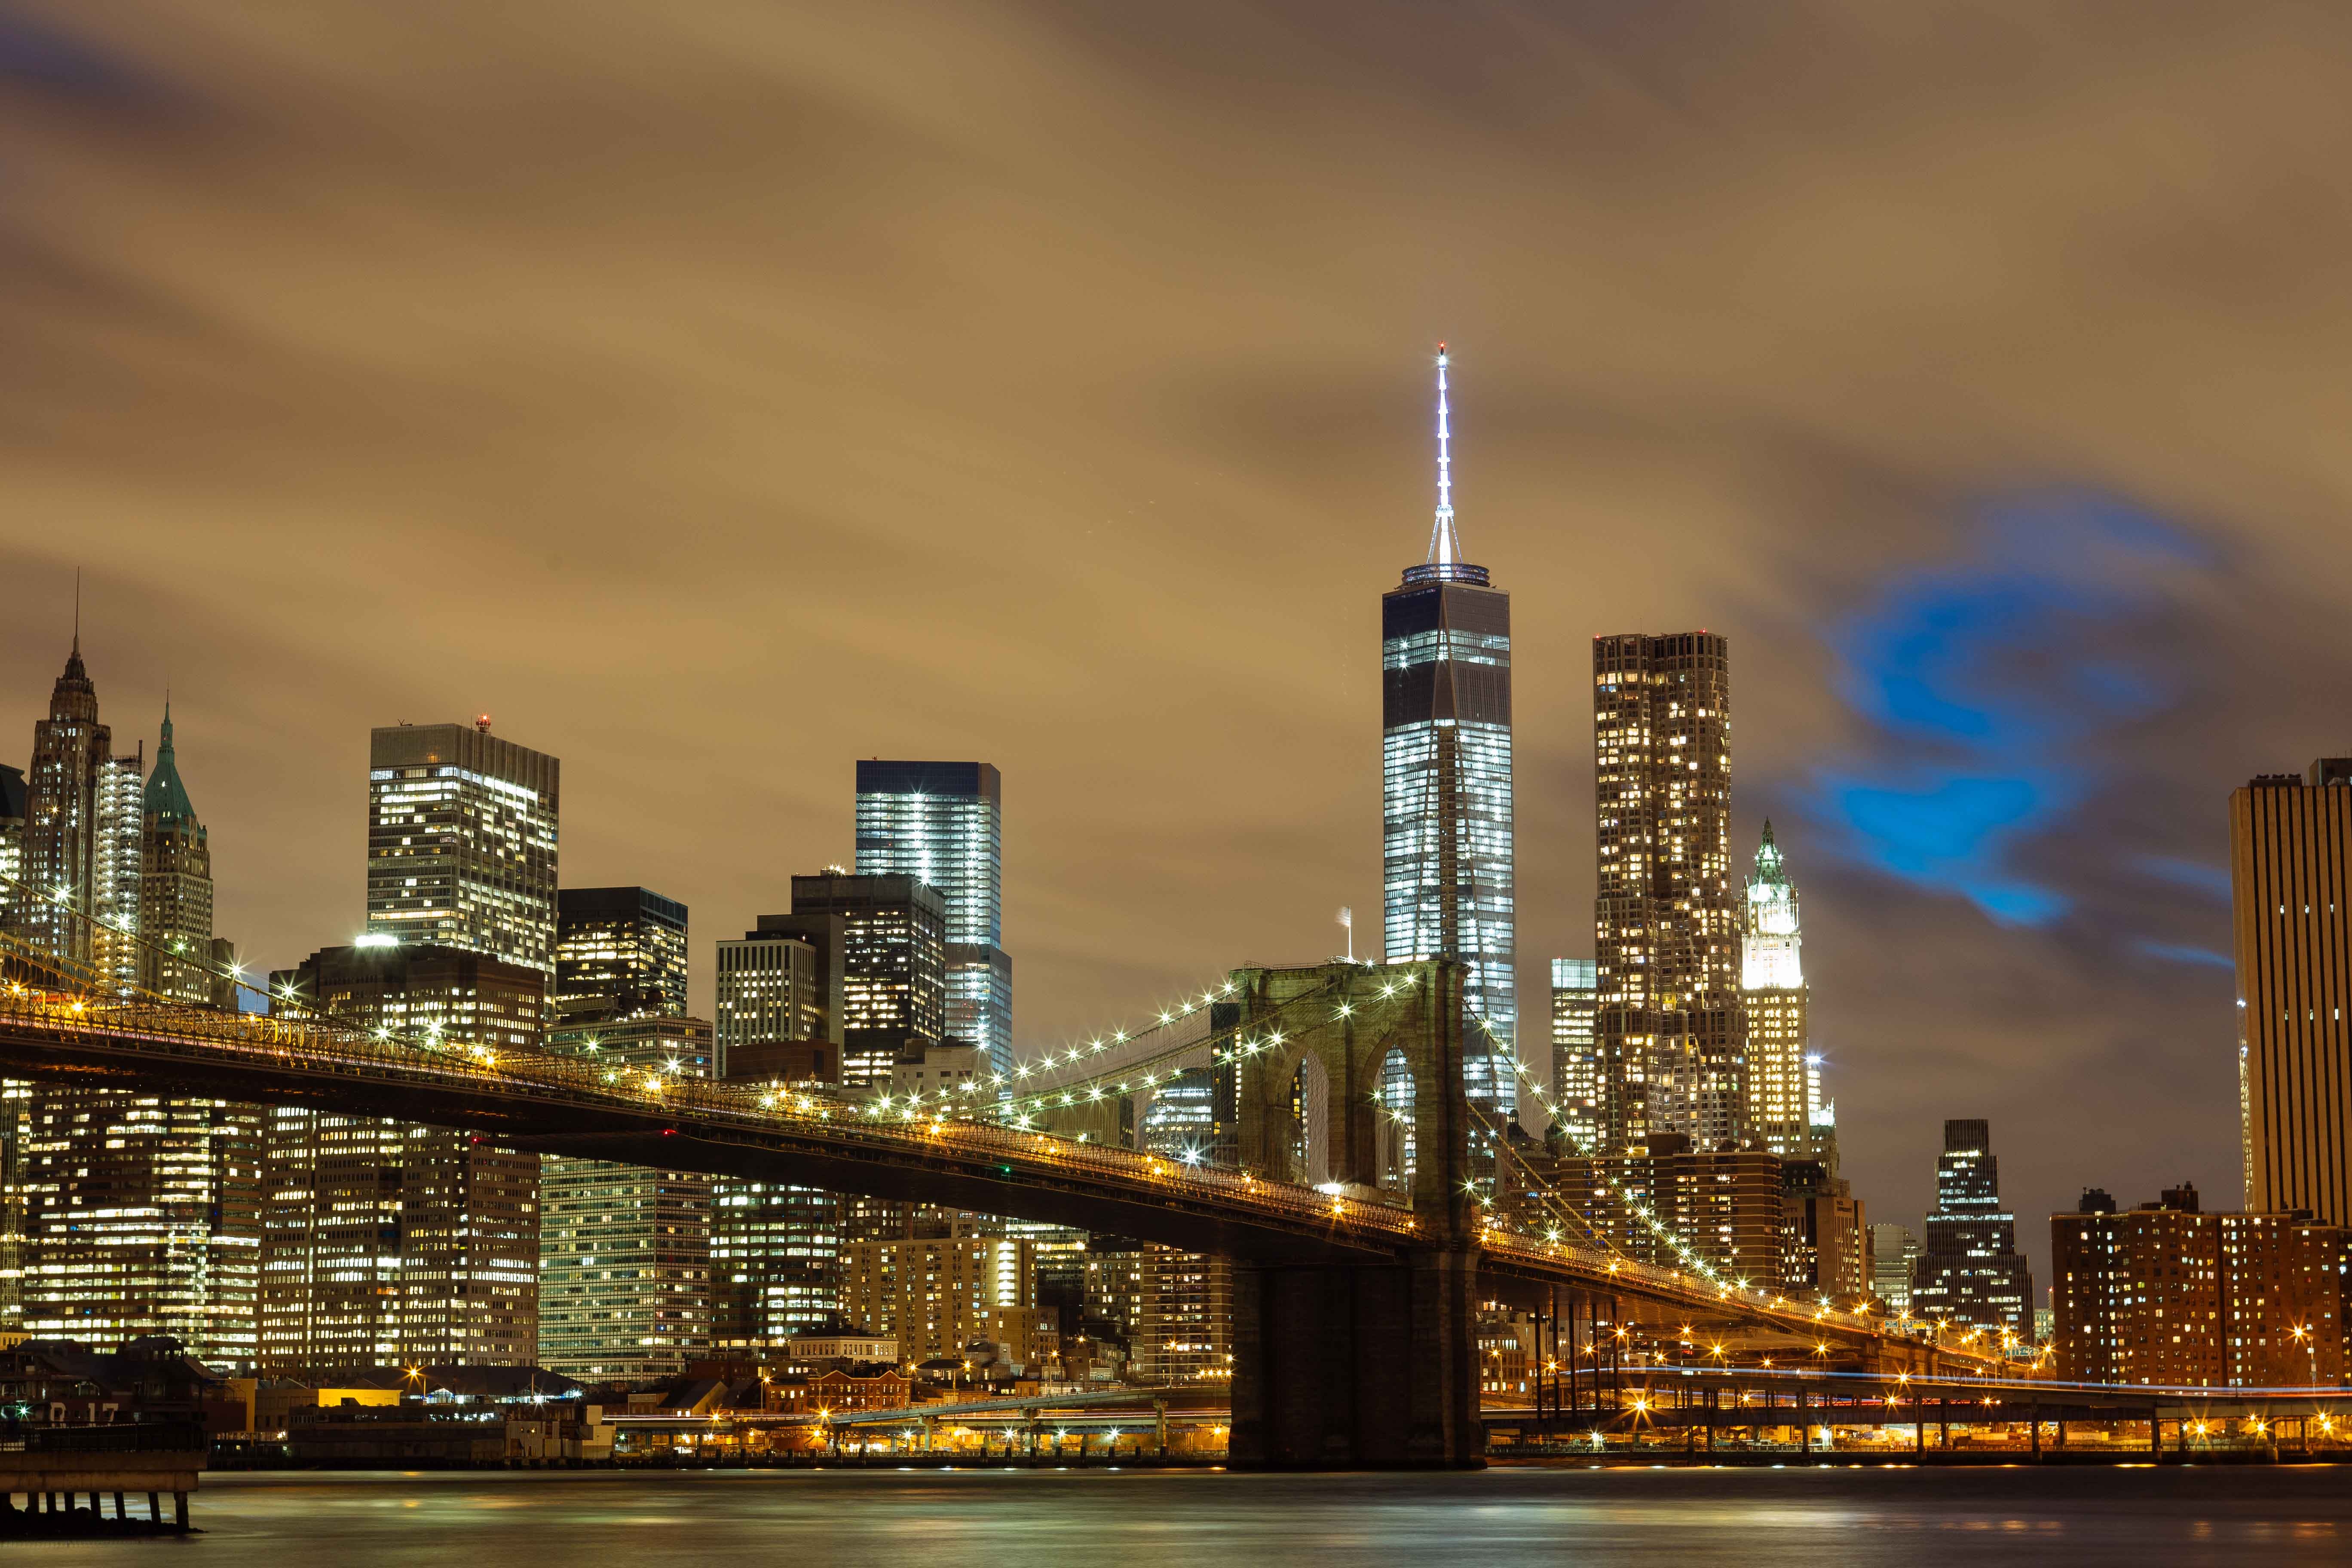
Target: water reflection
[[979, 1518]]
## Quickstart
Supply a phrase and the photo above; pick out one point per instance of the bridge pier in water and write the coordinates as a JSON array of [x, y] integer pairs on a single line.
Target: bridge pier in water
[[1353, 1367], [1373, 1364]]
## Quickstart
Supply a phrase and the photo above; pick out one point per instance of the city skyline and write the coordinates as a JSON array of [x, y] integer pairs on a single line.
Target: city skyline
[[478, 733]]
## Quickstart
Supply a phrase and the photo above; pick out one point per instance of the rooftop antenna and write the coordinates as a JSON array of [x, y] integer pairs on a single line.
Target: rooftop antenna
[[1445, 546], [77, 642], [1348, 921]]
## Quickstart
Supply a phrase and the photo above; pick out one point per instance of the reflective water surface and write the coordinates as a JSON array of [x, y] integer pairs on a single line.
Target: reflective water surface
[[975, 1519]]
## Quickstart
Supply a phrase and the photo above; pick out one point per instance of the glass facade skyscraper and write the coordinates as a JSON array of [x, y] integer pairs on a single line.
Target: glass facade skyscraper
[[944, 824], [1446, 784]]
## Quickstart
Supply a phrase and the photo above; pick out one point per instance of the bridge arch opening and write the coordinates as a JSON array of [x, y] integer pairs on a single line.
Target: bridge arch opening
[[1310, 1120], [1397, 1099]]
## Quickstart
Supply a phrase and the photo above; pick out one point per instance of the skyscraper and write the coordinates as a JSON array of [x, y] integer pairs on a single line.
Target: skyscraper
[[384, 1238], [12, 843], [387, 1241], [461, 841], [1577, 1084], [1893, 1249], [116, 883], [625, 1287], [2290, 898], [781, 982], [75, 822], [860, 961], [620, 952], [943, 823], [893, 966], [1772, 981], [175, 885], [1446, 783], [134, 1214], [142, 1215], [1666, 920], [1969, 1271]]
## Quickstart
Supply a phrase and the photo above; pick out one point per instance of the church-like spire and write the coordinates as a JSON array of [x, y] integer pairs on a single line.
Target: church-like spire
[[166, 798], [1771, 896], [74, 670], [74, 697]]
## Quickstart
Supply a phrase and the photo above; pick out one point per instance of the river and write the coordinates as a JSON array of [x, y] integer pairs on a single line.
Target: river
[[1794, 1517]]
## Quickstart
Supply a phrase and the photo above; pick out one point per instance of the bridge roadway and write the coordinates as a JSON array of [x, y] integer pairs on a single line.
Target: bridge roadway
[[567, 1105]]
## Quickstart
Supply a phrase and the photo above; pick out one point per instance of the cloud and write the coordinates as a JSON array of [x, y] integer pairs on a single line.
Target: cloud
[[2213, 881], [2179, 953], [1984, 685]]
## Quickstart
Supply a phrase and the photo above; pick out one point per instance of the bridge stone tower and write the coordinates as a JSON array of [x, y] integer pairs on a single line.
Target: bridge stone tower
[[1359, 1364]]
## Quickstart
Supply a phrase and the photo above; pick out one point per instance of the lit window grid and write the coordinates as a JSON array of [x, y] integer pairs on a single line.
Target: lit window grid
[[1579, 1084], [607, 956], [774, 1258], [384, 1241], [625, 1269], [462, 858], [979, 1008], [1781, 1093], [768, 990], [114, 874], [1413, 757], [136, 1216], [952, 842]]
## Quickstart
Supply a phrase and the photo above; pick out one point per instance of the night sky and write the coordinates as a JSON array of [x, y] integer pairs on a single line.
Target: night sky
[[716, 394]]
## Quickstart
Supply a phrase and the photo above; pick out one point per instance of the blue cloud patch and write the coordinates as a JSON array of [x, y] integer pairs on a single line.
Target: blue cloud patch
[[1984, 686]]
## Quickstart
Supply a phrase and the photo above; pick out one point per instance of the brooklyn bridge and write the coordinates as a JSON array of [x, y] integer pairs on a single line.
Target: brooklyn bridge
[[1355, 1299]]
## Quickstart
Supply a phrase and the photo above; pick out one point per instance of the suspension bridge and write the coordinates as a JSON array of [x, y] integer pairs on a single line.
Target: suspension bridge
[[1355, 1301]]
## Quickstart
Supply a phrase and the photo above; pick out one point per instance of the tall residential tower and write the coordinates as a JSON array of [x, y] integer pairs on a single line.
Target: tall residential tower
[[1666, 920], [1446, 783]]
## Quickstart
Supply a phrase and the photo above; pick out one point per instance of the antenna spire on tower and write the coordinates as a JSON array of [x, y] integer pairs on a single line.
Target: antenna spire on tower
[[1445, 544]]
